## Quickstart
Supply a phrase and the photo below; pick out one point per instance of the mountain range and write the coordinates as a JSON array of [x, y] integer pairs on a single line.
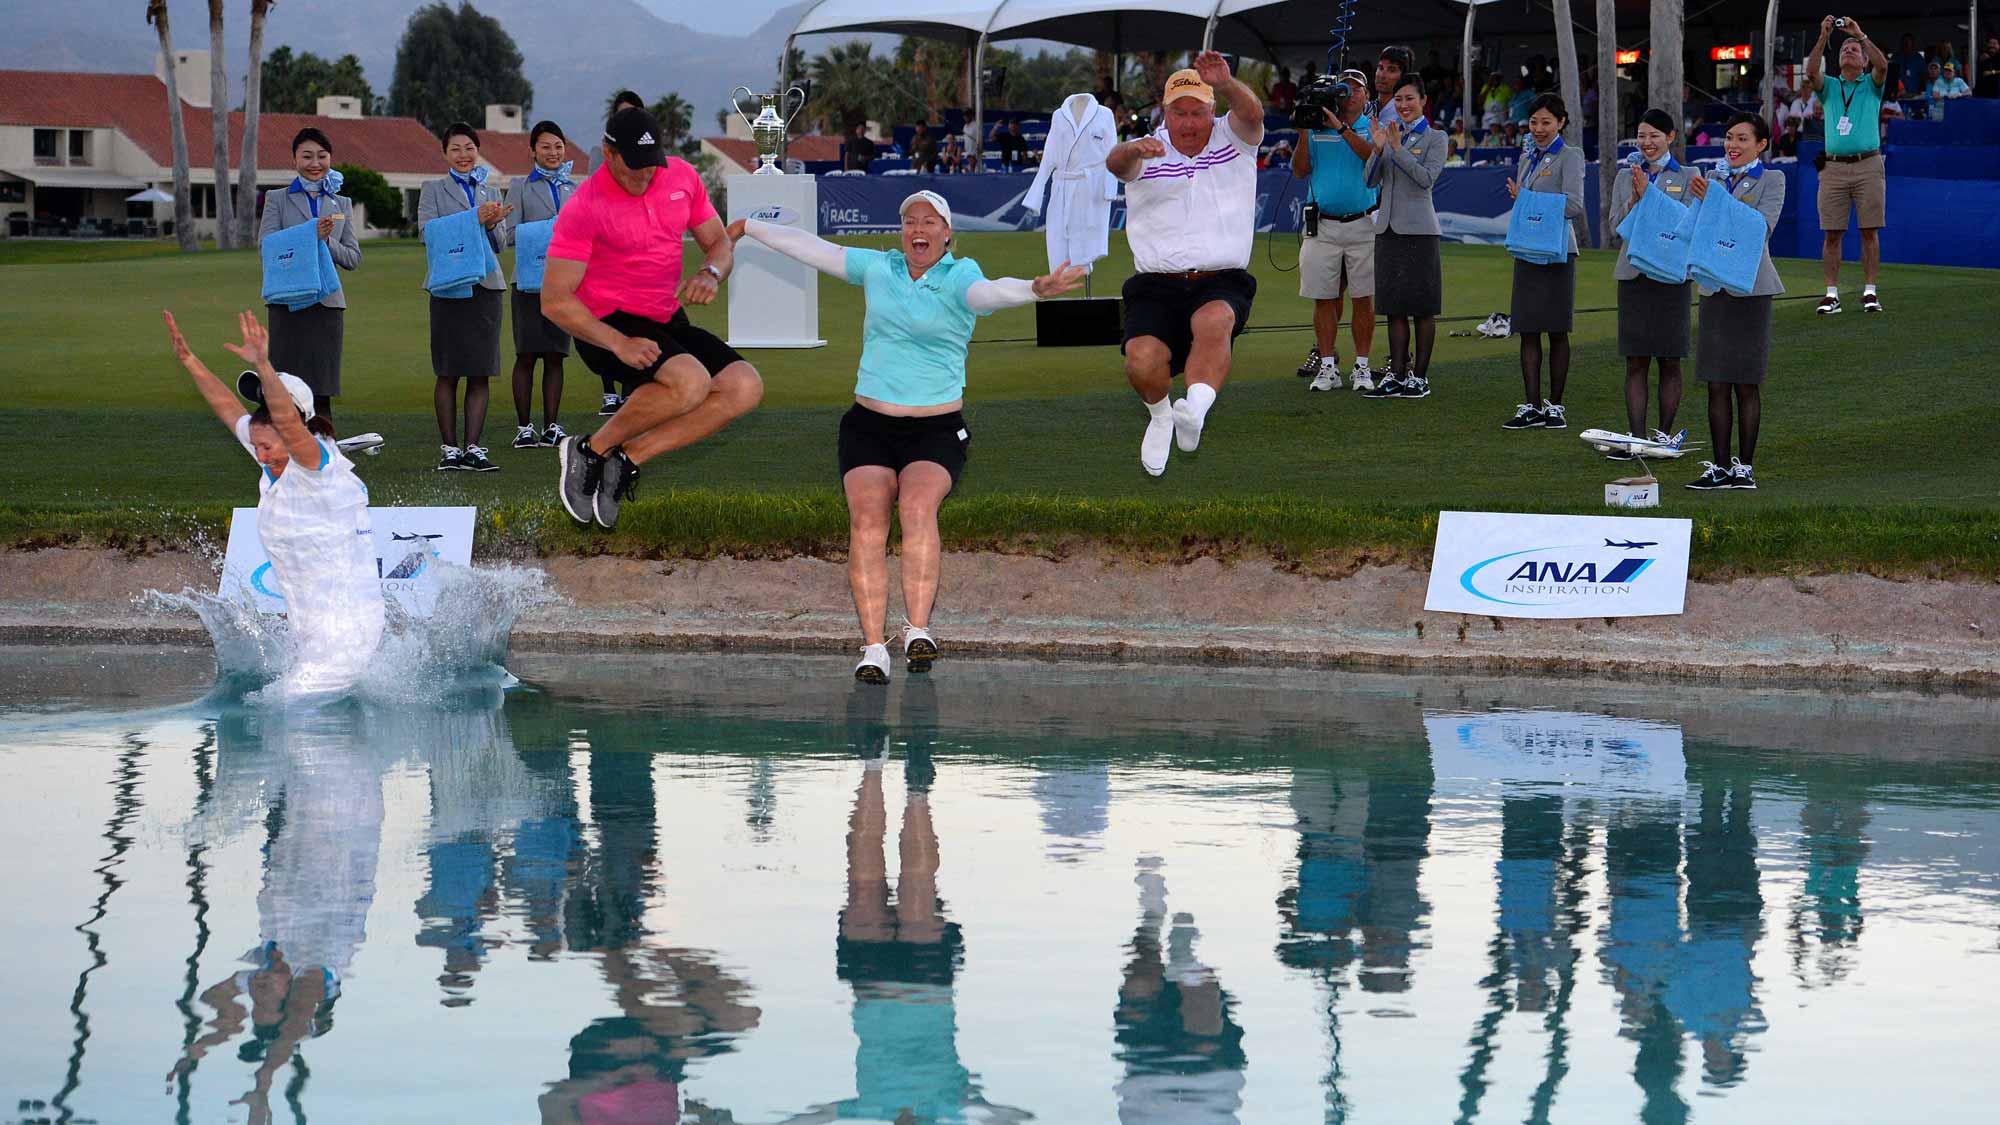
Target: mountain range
[[576, 55]]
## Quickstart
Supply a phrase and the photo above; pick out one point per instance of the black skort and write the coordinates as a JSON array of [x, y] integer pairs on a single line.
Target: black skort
[[1162, 305], [869, 437], [678, 336]]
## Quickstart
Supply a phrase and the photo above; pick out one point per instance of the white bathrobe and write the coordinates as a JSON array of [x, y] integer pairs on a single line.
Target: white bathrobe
[[1078, 219]]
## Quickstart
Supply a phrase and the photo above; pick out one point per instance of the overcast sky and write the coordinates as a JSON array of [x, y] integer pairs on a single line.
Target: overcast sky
[[739, 17]]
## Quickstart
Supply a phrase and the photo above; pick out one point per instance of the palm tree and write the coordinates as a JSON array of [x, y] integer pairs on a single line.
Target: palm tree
[[218, 117], [253, 94], [676, 118], [156, 14]]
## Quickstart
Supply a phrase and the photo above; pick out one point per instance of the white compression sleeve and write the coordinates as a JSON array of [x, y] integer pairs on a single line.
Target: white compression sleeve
[[999, 293], [799, 246]]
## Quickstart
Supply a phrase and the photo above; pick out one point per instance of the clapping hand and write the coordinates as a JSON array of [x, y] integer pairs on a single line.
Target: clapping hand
[[1213, 68], [325, 227], [1387, 131], [1513, 189], [255, 349], [491, 213], [1639, 180], [1059, 281], [1698, 187]]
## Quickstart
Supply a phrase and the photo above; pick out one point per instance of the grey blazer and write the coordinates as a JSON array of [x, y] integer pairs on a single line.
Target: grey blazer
[[284, 209], [1673, 181], [1406, 178], [531, 202], [1561, 173], [1767, 194], [443, 196]]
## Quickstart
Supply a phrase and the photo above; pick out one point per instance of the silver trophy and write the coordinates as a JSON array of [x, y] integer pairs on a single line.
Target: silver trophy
[[769, 127]]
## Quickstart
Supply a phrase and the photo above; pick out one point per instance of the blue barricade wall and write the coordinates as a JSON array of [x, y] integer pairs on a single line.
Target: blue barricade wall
[[1933, 221]]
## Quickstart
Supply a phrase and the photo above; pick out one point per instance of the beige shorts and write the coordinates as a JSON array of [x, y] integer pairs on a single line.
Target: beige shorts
[[1341, 252], [1858, 186]]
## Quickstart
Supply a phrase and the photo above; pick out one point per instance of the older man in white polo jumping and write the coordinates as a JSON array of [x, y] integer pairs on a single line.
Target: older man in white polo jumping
[[1191, 213]]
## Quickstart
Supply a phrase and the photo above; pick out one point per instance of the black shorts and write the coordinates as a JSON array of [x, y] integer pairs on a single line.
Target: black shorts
[[1163, 306], [871, 438], [678, 336]]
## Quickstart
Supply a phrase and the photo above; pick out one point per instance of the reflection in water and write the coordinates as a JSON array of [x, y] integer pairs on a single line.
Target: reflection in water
[[490, 876]]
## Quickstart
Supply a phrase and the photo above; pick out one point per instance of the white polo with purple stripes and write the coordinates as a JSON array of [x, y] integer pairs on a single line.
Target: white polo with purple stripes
[[1194, 213]]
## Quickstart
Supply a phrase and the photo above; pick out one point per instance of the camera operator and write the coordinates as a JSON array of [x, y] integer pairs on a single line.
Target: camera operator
[[1338, 254], [1851, 176]]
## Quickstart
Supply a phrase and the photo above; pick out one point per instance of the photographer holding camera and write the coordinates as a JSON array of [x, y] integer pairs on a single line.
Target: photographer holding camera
[[1338, 254], [1851, 175]]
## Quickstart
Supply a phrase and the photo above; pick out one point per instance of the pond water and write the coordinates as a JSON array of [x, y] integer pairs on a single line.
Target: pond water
[[743, 889]]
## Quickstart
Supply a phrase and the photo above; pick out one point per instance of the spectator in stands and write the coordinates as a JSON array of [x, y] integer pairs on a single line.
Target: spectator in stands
[[1788, 141], [1908, 67], [1988, 85], [1494, 99], [1540, 77], [1945, 86], [1436, 75], [1012, 145], [1517, 108], [923, 149], [1284, 92], [952, 157], [1280, 156], [1450, 107], [1852, 178], [860, 151], [1945, 55], [1590, 97], [972, 153]]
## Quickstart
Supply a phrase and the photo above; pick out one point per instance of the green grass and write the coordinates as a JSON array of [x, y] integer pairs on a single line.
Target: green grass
[[1869, 457]]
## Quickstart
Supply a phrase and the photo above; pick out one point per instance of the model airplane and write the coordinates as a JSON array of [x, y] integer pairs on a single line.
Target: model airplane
[[369, 443], [1606, 441]]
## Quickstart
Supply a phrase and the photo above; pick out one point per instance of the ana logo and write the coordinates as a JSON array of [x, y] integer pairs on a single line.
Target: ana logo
[[777, 214], [286, 257], [456, 250], [1556, 575], [1726, 244]]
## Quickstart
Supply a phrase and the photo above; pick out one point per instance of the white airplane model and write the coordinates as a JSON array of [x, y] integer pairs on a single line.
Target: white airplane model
[[1605, 441]]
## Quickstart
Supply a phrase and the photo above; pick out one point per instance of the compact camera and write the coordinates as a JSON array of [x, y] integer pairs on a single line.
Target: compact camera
[[1840, 21]]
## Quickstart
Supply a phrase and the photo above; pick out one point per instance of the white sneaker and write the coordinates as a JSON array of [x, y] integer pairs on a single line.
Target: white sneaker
[[919, 650], [1158, 442], [874, 666], [1187, 427], [1361, 378], [1326, 380]]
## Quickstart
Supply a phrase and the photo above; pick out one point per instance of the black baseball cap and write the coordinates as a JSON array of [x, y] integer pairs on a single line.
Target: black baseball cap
[[636, 136]]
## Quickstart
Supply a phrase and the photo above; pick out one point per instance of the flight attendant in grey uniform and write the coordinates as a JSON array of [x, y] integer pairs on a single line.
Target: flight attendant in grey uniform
[[1733, 337], [538, 197], [307, 343], [1652, 315], [465, 334], [1409, 275], [1544, 301]]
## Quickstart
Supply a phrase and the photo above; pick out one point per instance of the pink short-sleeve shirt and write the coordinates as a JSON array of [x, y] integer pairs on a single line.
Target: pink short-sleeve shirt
[[630, 245]]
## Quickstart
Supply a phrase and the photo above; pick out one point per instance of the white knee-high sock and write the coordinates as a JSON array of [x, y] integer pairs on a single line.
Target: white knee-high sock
[[1200, 397]]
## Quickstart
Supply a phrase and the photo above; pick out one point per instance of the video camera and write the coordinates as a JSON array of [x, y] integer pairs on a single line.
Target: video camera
[[1325, 94]]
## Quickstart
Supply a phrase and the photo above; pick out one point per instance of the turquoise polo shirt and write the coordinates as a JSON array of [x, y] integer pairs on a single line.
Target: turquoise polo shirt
[[1859, 104], [914, 337], [1337, 174]]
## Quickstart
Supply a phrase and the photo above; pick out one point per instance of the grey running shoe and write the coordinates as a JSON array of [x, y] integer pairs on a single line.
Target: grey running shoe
[[581, 470], [619, 480]]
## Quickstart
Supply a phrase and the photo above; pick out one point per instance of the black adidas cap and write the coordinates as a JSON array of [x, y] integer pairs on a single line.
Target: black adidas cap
[[636, 136]]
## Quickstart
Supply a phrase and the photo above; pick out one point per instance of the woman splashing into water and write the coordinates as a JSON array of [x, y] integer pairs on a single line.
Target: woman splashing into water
[[312, 518]]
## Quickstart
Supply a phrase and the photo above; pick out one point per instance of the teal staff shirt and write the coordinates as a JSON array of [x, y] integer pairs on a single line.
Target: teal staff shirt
[[1338, 180], [1853, 114], [914, 338]]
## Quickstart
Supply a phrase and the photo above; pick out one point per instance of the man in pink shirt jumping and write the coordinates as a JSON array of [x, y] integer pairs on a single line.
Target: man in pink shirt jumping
[[614, 283]]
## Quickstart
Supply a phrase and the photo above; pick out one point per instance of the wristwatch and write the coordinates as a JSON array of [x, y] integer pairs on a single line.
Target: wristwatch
[[712, 271], [1339, 127]]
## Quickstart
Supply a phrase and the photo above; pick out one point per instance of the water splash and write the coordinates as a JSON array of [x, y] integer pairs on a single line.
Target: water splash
[[461, 645]]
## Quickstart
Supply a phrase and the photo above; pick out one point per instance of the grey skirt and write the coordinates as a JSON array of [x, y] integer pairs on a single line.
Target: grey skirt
[[1653, 318], [307, 344], [1544, 297], [534, 334], [1409, 279], [1735, 341], [465, 335]]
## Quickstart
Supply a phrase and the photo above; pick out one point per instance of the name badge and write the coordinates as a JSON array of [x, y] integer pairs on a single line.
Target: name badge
[[1846, 125], [1673, 190], [1545, 171]]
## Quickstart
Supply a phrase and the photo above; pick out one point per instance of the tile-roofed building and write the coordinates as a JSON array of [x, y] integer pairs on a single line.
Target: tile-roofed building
[[74, 145]]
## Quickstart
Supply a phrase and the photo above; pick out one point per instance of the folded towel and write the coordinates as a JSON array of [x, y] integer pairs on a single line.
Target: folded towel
[[1656, 235], [298, 268], [1727, 245], [531, 254], [1537, 230], [458, 255]]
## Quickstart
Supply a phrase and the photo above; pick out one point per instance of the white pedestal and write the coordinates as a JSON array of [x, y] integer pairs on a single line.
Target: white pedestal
[[773, 301]]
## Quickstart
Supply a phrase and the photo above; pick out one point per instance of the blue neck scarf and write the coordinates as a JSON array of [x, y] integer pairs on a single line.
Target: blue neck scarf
[[557, 180], [1751, 171], [1653, 173], [326, 188], [470, 184], [1537, 155]]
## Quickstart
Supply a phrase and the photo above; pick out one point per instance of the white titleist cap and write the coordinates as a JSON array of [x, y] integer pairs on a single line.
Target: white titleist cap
[[251, 387], [930, 197]]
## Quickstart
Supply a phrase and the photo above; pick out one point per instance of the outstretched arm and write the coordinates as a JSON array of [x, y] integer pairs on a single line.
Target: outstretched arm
[[1816, 57], [255, 350], [218, 397], [800, 246], [1246, 109], [994, 294]]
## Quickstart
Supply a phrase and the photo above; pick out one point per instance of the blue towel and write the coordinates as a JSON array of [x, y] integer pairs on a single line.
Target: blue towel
[[1537, 231], [1656, 234], [531, 254], [458, 253], [298, 268], [1727, 244]]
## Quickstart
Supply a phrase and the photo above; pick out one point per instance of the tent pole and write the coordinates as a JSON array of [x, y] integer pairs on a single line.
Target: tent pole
[[978, 150], [1770, 63], [1208, 35], [1971, 44], [1465, 68], [785, 84], [1608, 130]]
